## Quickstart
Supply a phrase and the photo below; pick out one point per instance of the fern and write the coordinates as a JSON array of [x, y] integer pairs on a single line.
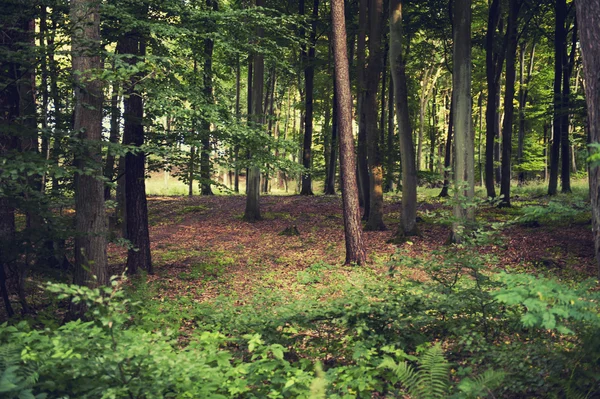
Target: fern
[[16, 377], [429, 381], [478, 386]]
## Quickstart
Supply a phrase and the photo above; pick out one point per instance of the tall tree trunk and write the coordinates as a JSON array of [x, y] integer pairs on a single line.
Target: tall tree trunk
[[252, 212], [560, 37], [408, 216], [523, 94], [509, 108], [588, 17], [433, 133], [115, 116], [361, 154], [375, 220], [494, 60], [390, 148], [138, 257], [236, 148], [309, 81], [463, 142], [448, 150], [90, 216], [205, 167], [565, 145], [355, 247], [330, 185]]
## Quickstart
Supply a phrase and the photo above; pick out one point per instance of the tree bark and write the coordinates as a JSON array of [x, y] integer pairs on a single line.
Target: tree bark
[[207, 77], [448, 151], [375, 220], [252, 212], [408, 217], [565, 145], [588, 17], [494, 62], [390, 148], [90, 217], [509, 96], [560, 37], [330, 184], [115, 116], [138, 257], [463, 142], [309, 81], [355, 247], [361, 155], [523, 95]]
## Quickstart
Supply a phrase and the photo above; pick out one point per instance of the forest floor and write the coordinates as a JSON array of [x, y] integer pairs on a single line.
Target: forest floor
[[201, 247]]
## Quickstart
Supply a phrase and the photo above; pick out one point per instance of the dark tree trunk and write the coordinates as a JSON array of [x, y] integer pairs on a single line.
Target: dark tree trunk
[[90, 217], [560, 37], [375, 220], [115, 116], [330, 184], [309, 81], [138, 257], [390, 148], [509, 96], [236, 148], [252, 212], [355, 247], [588, 18], [565, 145], [494, 62], [448, 151], [523, 94], [433, 130], [362, 166], [408, 216]]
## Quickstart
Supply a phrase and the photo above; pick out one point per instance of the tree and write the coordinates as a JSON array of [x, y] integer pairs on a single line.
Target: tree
[[560, 37], [464, 170], [362, 165], [408, 224], [509, 108], [90, 217], [588, 17], [355, 247], [494, 61], [375, 219], [133, 45], [252, 212]]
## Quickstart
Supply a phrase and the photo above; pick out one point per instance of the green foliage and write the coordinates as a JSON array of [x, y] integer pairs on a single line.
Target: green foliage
[[556, 211]]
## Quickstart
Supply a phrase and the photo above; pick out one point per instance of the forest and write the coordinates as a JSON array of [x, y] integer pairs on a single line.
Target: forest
[[300, 199]]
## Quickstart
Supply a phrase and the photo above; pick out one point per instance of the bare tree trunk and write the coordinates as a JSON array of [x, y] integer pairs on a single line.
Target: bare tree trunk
[[252, 212], [236, 149], [390, 148], [523, 94], [408, 222], [330, 186], [115, 116], [560, 37], [565, 145], [461, 83], [361, 154], [355, 247], [448, 151], [138, 257], [309, 81], [494, 62], [509, 108], [375, 220], [90, 217], [588, 17]]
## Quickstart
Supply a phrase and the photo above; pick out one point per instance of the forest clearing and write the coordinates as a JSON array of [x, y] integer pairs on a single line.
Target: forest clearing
[[299, 199]]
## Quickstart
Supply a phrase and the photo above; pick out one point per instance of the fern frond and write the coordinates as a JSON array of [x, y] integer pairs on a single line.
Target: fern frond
[[432, 377], [477, 386]]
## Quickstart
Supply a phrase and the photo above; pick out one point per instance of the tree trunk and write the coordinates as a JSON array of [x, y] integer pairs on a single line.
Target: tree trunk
[[252, 212], [509, 96], [115, 116], [375, 220], [408, 222], [236, 148], [390, 148], [330, 185], [523, 94], [560, 37], [309, 81], [565, 145], [448, 151], [588, 17], [361, 155], [461, 82], [90, 217], [355, 247], [494, 61], [138, 257]]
